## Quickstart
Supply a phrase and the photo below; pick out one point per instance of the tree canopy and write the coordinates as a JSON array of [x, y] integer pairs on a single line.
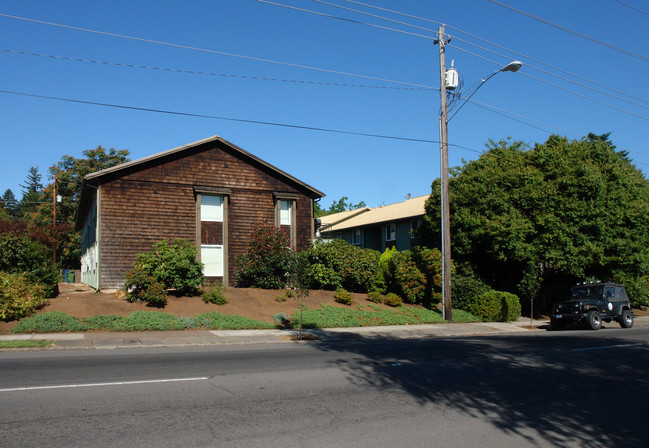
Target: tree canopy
[[530, 219], [338, 206]]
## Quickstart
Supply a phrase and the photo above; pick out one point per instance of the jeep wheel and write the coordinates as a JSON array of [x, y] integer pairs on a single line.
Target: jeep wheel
[[593, 320], [557, 324], [626, 319]]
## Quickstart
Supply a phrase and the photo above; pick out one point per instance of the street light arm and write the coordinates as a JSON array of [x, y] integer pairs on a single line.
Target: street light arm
[[511, 67]]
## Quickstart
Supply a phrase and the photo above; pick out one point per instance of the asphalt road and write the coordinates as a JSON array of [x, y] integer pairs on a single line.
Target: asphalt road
[[571, 388]]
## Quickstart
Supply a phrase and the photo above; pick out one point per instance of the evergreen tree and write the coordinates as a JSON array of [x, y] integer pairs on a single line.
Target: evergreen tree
[[31, 189], [10, 204]]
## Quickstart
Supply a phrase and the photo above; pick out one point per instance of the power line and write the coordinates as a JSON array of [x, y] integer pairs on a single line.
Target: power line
[[556, 86], [632, 7], [192, 72], [188, 47], [215, 117], [576, 33], [345, 19], [607, 87]]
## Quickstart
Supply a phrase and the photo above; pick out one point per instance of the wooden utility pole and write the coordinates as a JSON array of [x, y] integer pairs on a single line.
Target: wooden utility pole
[[56, 182], [445, 209]]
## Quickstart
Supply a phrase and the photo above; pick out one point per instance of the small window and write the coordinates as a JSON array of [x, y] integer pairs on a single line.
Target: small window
[[356, 237], [285, 212], [211, 208], [391, 232], [414, 225]]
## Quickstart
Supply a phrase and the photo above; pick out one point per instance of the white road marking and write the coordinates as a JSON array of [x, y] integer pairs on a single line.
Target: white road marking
[[608, 346], [116, 383]]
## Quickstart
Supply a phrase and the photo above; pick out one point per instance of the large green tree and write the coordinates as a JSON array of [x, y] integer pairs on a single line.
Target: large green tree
[[534, 220]]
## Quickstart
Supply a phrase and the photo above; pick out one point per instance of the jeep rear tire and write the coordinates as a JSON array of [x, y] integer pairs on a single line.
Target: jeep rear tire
[[593, 320], [626, 319]]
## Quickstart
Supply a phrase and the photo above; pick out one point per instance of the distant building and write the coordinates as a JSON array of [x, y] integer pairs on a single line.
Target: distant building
[[377, 228]]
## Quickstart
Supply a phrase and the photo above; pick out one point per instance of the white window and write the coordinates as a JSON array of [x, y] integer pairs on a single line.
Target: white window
[[211, 208], [212, 258], [391, 232], [285, 217], [356, 237]]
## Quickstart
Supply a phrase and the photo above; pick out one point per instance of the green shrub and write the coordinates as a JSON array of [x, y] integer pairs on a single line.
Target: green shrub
[[219, 321], [151, 321], [464, 290], [495, 306], [343, 296], [407, 280], [282, 320], [267, 261], [637, 288], [18, 296], [339, 264], [28, 251], [174, 263], [391, 299], [215, 295], [51, 322], [511, 307], [375, 296], [110, 322], [140, 285], [319, 276]]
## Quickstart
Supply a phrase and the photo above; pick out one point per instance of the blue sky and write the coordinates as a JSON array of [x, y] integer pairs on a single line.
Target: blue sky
[[37, 131]]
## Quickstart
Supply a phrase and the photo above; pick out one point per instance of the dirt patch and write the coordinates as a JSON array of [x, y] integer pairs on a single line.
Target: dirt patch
[[80, 301]]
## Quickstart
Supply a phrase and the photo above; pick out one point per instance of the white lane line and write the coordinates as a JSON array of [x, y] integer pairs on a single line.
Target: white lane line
[[608, 346], [116, 383]]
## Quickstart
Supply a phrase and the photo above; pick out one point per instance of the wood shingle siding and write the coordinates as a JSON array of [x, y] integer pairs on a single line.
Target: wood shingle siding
[[155, 198]]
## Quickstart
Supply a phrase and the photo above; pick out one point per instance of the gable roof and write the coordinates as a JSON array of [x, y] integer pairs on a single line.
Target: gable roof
[[411, 208], [92, 180], [336, 218], [95, 178]]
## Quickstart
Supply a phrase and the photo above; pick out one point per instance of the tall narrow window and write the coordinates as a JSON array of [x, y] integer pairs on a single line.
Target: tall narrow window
[[391, 232], [285, 209], [356, 237], [212, 237]]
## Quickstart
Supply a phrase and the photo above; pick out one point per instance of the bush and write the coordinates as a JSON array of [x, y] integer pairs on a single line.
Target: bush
[[52, 322], [407, 280], [382, 279], [18, 296], [151, 321], [464, 290], [375, 296], [343, 296], [267, 261], [319, 276], [495, 306], [511, 307], [28, 251], [392, 299], [174, 263], [339, 264], [215, 295], [141, 286], [637, 288]]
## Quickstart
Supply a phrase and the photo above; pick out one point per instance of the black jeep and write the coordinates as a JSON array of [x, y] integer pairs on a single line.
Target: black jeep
[[592, 303]]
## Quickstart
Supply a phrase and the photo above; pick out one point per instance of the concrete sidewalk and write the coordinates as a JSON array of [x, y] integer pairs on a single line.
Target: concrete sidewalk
[[202, 338]]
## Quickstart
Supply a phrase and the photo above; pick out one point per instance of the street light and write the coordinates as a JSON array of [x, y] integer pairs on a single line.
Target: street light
[[443, 144]]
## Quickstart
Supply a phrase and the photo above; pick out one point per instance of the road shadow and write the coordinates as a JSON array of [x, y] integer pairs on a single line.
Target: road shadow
[[566, 387]]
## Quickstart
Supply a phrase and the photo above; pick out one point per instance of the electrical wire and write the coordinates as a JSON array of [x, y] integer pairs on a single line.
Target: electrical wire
[[607, 87], [345, 19], [632, 7], [556, 86], [188, 47], [215, 117], [573, 32], [262, 78]]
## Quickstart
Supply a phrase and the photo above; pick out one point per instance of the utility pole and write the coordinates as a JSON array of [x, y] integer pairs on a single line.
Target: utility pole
[[445, 209], [56, 181]]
